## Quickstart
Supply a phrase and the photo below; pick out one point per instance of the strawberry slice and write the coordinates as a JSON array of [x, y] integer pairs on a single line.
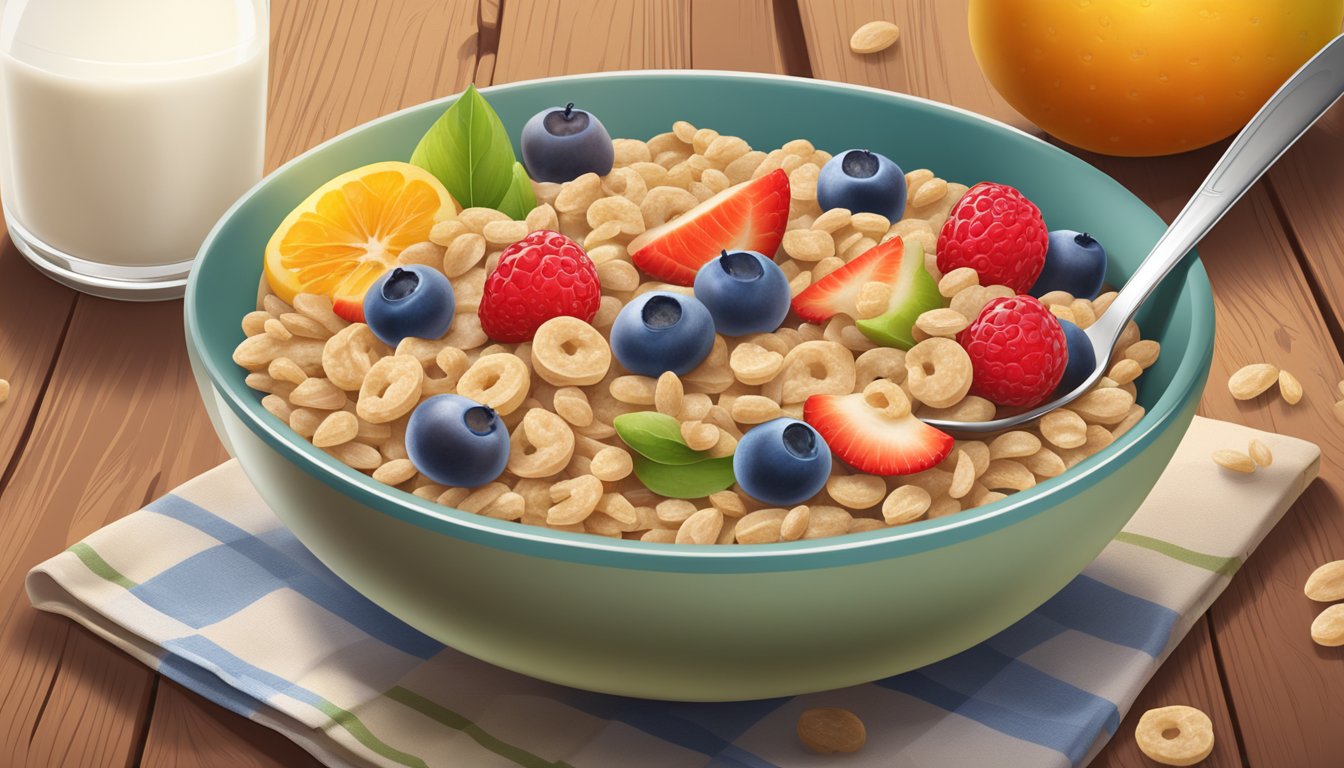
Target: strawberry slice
[[838, 292], [870, 441], [748, 217]]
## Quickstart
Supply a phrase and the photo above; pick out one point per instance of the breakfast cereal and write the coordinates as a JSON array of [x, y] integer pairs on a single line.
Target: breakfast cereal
[[563, 390]]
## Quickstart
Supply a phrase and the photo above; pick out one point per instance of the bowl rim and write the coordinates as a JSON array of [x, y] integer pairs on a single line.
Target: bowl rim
[[849, 549]]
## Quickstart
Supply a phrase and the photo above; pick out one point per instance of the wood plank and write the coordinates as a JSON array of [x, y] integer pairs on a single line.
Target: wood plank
[[101, 690], [334, 65], [748, 35], [121, 420], [934, 60], [190, 732], [561, 37], [1309, 184], [338, 63], [34, 312]]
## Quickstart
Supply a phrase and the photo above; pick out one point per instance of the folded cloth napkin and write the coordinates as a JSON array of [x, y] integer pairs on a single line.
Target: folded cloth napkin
[[205, 586]]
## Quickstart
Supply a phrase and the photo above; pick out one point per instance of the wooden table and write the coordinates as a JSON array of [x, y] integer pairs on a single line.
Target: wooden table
[[104, 415]]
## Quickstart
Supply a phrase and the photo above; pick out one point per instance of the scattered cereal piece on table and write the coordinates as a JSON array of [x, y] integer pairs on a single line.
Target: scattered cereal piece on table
[[1328, 628], [4, 390], [874, 36], [1234, 460], [1175, 735], [1253, 380], [1326, 583], [1260, 453], [1290, 388], [827, 730]]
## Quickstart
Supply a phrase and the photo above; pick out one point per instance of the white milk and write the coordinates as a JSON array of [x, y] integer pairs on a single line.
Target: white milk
[[128, 126]]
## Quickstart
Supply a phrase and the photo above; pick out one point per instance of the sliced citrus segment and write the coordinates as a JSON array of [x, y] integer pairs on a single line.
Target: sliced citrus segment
[[351, 230]]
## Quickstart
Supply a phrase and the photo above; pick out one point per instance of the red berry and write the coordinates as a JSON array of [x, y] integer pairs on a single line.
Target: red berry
[[1017, 350], [542, 276], [999, 233]]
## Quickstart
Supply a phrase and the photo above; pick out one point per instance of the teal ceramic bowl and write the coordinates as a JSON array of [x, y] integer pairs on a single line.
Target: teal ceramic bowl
[[711, 623]]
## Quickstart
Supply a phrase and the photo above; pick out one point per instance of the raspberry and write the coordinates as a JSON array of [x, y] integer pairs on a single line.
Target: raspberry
[[1017, 350], [542, 276], [999, 233]]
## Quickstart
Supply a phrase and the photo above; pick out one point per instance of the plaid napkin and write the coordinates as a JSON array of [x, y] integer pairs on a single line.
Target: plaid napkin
[[205, 586]]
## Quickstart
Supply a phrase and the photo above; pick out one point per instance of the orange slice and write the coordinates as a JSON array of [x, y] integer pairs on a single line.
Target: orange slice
[[351, 230]]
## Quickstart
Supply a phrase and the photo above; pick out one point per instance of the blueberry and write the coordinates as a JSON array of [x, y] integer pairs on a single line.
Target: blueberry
[[863, 182], [1082, 359], [744, 291], [456, 441], [409, 301], [660, 332], [1074, 262], [783, 462], [563, 143]]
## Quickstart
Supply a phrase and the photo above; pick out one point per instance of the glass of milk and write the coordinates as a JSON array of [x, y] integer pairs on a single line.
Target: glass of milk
[[127, 128]]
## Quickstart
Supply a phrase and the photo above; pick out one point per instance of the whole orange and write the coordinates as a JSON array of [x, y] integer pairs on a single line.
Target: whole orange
[[1145, 77]]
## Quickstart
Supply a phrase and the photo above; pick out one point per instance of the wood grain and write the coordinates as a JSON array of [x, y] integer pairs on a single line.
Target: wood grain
[[190, 732], [34, 312], [749, 36], [1309, 184], [338, 63], [551, 37], [121, 420], [932, 58]]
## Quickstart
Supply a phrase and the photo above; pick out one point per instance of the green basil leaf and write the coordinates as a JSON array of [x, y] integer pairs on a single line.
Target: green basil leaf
[[657, 437], [688, 481], [468, 150], [519, 199]]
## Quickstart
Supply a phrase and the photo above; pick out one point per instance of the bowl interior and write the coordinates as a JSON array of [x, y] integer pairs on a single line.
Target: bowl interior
[[956, 145]]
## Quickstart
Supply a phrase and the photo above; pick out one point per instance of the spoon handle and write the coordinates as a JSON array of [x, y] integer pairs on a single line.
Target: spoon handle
[[1285, 117]]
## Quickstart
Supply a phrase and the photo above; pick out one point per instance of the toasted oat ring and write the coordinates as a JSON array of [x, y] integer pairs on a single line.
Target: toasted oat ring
[[1176, 735], [566, 351], [939, 372], [348, 356], [541, 446], [391, 389], [880, 363], [500, 381], [887, 397], [816, 368]]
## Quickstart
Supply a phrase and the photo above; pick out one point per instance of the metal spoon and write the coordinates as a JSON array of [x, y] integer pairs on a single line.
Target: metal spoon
[[1285, 117]]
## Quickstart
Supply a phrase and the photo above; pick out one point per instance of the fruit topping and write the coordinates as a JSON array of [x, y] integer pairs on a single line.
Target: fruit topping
[[542, 276], [996, 231], [863, 182], [469, 150], [1018, 352], [563, 143], [660, 332], [345, 235], [415, 300], [874, 431], [895, 263], [1074, 262], [456, 441], [782, 462], [748, 217], [744, 291], [1082, 359]]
